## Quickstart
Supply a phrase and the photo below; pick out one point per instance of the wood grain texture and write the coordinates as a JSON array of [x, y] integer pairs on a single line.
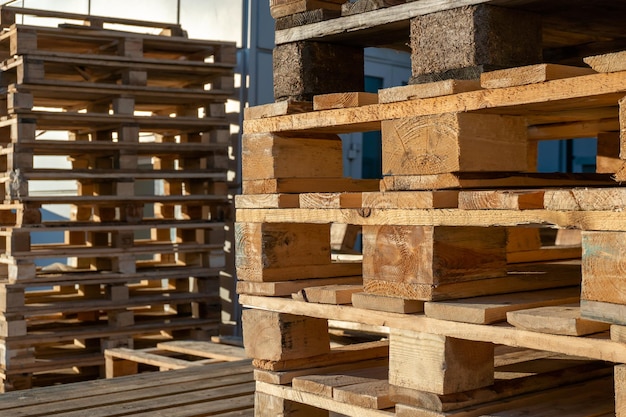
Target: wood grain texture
[[260, 247], [438, 364], [267, 156], [432, 255], [426, 90], [563, 320], [343, 100], [276, 336], [493, 309], [453, 142], [530, 74], [603, 266]]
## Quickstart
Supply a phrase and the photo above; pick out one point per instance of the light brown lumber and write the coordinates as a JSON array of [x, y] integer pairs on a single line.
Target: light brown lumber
[[426, 90], [286, 377], [362, 6], [586, 199], [466, 289], [564, 319], [608, 221], [611, 62], [438, 364], [308, 185], [330, 200], [320, 402], [601, 311], [568, 237], [618, 333], [607, 156], [272, 336], [283, 288], [502, 389], [335, 269], [280, 108], [269, 246], [602, 267], [391, 304], [411, 200], [432, 255], [572, 130], [485, 180], [372, 395], [148, 357], [530, 74], [204, 349], [270, 405], [493, 309], [620, 390], [281, 8], [452, 142], [325, 385], [343, 100], [501, 200], [267, 201], [563, 94], [590, 347], [267, 156], [591, 398], [331, 294], [545, 253], [349, 353]]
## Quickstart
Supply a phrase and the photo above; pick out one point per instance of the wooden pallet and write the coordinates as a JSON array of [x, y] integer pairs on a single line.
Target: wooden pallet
[[169, 355], [141, 118], [455, 258], [226, 390]]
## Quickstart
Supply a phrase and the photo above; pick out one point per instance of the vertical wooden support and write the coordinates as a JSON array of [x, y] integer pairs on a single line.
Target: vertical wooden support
[[620, 390], [454, 142], [463, 42], [439, 364], [305, 69], [265, 247], [415, 262], [266, 405], [603, 282], [275, 336], [620, 173], [267, 156], [607, 158]]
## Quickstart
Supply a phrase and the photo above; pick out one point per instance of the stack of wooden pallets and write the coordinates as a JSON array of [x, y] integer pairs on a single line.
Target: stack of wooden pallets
[[141, 119], [480, 310]]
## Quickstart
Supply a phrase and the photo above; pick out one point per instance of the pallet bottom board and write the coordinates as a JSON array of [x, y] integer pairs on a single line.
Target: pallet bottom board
[[227, 388]]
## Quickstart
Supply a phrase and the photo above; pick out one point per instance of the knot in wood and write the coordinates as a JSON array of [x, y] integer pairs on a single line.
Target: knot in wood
[[365, 212]]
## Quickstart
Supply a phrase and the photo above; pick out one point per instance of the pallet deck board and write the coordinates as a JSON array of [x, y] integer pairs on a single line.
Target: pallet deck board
[[227, 387]]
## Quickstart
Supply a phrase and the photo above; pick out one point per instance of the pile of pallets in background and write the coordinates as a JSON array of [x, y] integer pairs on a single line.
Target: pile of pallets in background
[[139, 124], [479, 308]]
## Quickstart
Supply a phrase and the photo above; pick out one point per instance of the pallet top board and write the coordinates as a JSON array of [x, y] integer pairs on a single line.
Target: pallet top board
[[8, 18], [89, 122], [186, 389], [71, 277], [70, 96], [79, 147], [545, 103], [68, 330], [91, 70], [82, 39], [595, 347], [571, 28]]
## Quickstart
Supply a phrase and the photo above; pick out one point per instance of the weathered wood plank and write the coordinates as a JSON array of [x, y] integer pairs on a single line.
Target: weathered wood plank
[[563, 320]]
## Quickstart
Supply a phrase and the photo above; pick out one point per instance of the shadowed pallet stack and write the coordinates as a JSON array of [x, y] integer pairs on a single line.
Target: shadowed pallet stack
[[494, 289], [136, 124]]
